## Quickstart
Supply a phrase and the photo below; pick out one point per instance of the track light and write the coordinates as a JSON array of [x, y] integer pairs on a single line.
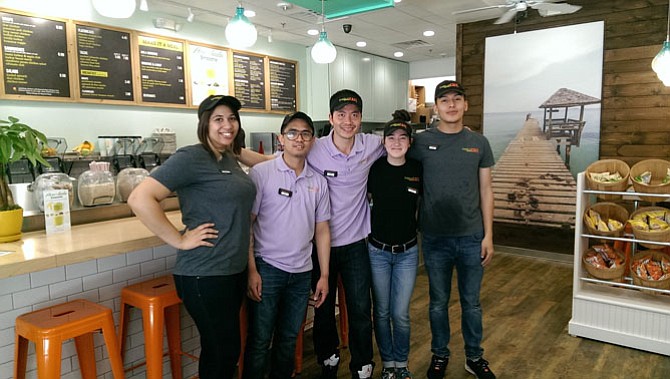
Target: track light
[[191, 16], [144, 6]]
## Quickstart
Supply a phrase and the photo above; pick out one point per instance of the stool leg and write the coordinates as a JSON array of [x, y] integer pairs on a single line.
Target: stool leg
[[112, 345], [299, 347], [244, 326], [20, 356], [153, 342], [48, 353], [86, 355], [344, 317], [173, 327], [123, 327]]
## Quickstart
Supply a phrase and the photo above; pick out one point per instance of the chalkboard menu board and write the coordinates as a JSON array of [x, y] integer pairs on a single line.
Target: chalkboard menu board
[[34, 56], [248, 75], [283, 85], [105, 69], [162, 70]]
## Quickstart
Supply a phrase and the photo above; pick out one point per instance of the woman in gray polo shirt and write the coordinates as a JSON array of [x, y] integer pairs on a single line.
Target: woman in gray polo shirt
[[215, 197]]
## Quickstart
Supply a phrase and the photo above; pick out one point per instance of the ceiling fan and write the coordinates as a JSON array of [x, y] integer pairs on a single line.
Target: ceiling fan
[[544, 7]]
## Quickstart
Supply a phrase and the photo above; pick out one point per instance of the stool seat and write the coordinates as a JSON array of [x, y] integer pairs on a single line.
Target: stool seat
[[49, 327], [157, 299]]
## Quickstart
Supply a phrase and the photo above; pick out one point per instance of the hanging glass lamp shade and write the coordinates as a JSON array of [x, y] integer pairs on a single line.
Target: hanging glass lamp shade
[[661, 63], [114, 8], [240, 32], [323, 51]]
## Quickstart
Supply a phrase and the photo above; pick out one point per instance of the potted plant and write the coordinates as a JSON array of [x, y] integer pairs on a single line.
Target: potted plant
[[17, 140]]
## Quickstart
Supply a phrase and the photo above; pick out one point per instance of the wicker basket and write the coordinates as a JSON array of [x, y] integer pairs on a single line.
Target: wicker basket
[[658, 236], [608, 165], [658, 169], [608, 211], [637, 280], [614, 274]]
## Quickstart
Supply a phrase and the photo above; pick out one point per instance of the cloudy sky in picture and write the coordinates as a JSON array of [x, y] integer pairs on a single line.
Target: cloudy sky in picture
[[523, 70]]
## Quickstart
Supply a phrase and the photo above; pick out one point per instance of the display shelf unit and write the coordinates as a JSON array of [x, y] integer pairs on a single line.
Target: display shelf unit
[[617, 313]]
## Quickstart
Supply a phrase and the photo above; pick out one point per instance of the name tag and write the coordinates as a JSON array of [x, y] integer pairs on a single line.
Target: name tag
[[330, 174], [432, 147], [226, 172], [412, 190], [285, 192]]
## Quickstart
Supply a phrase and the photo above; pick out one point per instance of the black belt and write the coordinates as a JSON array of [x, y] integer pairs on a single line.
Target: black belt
[[399, 248]]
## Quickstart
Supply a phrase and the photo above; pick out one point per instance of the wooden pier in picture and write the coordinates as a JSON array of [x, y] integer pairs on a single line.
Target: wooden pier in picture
[[531, 183]]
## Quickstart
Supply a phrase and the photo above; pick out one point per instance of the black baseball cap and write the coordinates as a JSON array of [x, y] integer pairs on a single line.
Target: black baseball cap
[[344, 97], [213, 100], [296, 116], [447, 86], [394, 125]]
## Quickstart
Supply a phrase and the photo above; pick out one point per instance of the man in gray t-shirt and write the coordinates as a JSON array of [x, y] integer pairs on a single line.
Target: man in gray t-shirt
[[456, 220]]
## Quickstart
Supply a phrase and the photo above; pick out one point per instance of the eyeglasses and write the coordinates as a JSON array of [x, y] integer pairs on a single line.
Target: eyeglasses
[[306, 135]]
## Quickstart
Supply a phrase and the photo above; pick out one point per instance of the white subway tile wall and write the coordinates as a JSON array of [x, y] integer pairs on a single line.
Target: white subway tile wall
[[100, 281]]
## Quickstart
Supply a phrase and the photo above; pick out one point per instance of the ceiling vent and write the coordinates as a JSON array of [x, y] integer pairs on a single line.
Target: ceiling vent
[[412, 44]]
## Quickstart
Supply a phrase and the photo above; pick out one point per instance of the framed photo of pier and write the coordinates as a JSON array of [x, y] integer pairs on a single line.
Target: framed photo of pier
[[542, 94]]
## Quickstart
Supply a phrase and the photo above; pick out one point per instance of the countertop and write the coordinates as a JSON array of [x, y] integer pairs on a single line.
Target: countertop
[[37, 251]]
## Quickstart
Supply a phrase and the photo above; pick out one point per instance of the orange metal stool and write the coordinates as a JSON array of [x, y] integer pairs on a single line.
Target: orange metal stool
[[49, 327], [158, 300], [344, 327]]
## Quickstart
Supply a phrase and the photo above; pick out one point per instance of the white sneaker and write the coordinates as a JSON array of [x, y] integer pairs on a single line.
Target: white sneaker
[[365, 371], [332, 361]]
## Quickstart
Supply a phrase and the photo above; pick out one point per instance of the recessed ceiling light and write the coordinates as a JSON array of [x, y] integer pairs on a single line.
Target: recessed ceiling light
[[367, 59], [397, 1], [313, 32], [398, 54], [361, 43], [428, 33], [249, 13]]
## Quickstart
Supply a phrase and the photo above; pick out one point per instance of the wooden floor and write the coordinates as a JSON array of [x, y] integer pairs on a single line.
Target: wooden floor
[[527, 304]]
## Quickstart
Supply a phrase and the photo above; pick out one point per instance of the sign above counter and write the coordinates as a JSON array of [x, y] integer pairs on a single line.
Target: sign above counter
[[49, 59]]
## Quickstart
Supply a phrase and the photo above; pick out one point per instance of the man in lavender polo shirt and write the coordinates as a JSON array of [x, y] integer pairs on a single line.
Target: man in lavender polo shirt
[[344, 158], [292, 206]]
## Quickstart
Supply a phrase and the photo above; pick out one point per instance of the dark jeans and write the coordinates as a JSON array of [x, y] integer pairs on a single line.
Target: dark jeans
[[352, 263], [214, 304], [281, 310]]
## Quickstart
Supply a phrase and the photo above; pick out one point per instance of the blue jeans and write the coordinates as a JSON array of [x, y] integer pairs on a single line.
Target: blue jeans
[[280, 312], [441, 255], [351, 262], [393, 278], [214, 304]]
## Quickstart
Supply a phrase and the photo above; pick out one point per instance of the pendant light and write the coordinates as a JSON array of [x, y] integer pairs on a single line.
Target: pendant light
[[240, 32], [661, 63], [114, 8], [323, 51]]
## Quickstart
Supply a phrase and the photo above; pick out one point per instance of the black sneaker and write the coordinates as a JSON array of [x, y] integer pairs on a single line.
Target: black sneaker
[[479, 368], [438, 366]]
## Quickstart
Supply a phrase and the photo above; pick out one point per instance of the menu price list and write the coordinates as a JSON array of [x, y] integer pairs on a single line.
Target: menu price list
[[162, 70], [105, 69], [282, 85], [248, 74], [34, 54]]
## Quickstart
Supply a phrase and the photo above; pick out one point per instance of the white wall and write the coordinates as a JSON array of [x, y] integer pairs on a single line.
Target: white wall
[[433, 68]]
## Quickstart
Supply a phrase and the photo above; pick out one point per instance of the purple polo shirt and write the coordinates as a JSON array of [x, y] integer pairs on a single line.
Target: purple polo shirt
[[347, 177], [287, 209]]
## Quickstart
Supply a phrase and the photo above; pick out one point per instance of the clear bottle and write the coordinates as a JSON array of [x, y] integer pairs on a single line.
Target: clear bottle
[[51, 181], [96, 187], [127, 180]]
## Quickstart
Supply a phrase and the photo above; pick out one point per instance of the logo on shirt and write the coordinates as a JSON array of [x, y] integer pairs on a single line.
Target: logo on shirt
[[414, 179], [312, 188], [471, 149]]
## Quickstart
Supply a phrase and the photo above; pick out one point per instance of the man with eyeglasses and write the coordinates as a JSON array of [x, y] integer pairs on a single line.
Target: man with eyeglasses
[[292, 206]]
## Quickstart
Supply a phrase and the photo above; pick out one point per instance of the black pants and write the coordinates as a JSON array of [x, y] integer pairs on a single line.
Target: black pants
[[214, 304], [352, 263]]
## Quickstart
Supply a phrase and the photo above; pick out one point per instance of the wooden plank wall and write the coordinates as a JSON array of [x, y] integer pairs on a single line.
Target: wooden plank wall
[[635, 104]]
